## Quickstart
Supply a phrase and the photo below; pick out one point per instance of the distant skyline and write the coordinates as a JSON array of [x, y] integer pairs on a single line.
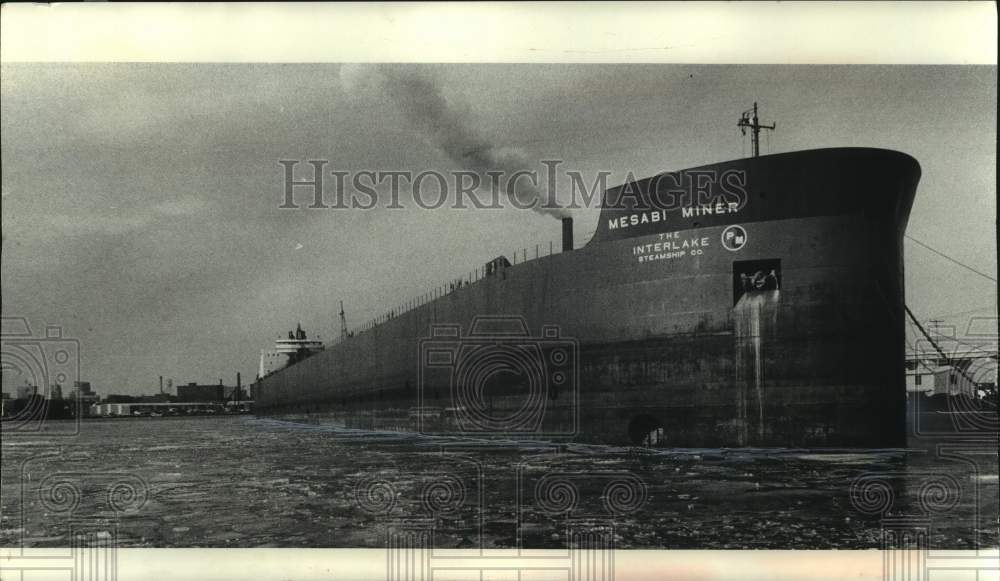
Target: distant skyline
[[140, 201]]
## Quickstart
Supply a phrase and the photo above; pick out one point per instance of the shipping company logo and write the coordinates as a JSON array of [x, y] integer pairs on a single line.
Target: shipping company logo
[[498, 380], [734, 237]]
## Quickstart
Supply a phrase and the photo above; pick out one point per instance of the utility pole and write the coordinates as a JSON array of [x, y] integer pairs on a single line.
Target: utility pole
[[749, 119], [945, 357]]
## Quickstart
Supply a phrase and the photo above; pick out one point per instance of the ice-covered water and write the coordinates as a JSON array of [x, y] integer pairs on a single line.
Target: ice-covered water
[[248, 482]]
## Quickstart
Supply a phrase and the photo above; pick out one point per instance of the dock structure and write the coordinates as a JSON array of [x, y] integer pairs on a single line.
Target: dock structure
[[169, 409]]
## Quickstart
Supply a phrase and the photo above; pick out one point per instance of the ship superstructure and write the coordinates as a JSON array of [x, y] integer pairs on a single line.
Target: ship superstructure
[[287, 351]]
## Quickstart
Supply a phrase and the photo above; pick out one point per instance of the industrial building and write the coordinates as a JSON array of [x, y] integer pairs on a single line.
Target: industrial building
[[965, 372], [201, 393]]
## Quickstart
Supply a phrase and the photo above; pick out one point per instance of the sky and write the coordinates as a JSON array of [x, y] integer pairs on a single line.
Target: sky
[[140, 202]]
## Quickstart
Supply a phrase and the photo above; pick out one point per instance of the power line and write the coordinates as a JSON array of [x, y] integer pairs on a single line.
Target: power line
[[945, 256], [982, 350]]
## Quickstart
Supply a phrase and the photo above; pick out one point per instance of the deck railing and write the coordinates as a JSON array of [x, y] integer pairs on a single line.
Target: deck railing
[[521, 256]]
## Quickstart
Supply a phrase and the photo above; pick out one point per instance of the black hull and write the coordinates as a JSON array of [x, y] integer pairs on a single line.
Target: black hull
[[666, 343]]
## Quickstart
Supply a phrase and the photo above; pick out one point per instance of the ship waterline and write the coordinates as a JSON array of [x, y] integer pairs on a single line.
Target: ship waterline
[[776, 322]]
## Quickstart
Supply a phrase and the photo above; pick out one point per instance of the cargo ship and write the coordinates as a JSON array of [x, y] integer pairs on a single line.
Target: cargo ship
[[753, 302]]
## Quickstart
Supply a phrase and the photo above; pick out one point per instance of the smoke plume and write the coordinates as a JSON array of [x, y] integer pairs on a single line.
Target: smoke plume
[[446, 123]]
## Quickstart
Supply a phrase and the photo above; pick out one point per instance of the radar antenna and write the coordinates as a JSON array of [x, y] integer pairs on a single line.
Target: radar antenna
[[749, 119]]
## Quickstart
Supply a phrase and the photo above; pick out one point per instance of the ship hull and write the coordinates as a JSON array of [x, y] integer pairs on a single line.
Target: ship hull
[[666, 342]]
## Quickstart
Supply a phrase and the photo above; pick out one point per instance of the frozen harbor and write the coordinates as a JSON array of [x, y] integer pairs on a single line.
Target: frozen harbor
[[248, 482]]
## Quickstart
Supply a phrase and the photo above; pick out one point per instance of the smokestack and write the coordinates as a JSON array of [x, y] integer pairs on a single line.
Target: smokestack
[[161, 384], [239, 387], [567, 238]]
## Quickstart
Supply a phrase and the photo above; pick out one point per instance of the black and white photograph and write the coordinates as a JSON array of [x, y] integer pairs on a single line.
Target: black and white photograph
[[516, 313]]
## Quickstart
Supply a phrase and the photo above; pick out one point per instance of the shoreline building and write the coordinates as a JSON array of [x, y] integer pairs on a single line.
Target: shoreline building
[[83, 397], [963, 372], [193, 392]]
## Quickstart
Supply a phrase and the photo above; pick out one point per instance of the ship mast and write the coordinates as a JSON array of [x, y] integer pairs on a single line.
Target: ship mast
[[749, 119], [343, 322]]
